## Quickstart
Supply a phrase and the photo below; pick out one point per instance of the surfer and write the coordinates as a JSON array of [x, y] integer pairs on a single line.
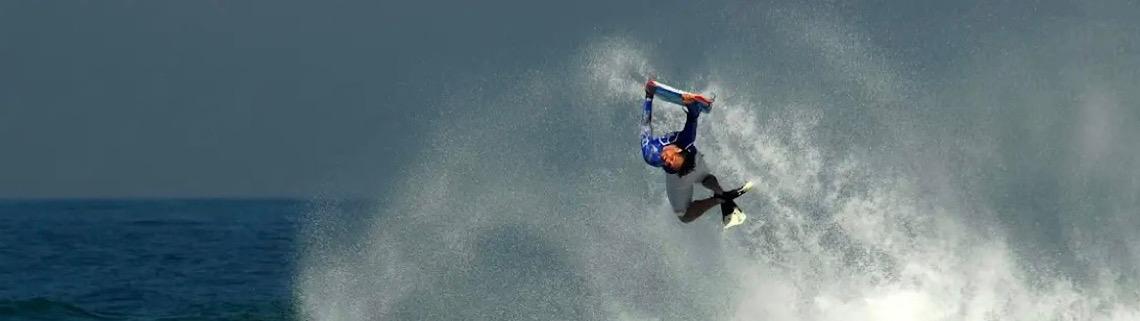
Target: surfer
[[684, 166]]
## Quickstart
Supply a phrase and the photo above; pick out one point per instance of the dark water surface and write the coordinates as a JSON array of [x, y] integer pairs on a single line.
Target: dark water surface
[[147, 259]]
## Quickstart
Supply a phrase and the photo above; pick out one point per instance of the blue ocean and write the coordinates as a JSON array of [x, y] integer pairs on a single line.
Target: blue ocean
[[202, 259]]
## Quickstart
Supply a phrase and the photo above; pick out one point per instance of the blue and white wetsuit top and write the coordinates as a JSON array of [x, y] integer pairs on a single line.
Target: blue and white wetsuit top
[[651, 146]]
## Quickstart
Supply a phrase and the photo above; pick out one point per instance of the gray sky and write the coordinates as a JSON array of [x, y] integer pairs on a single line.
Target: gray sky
[[242, 98], [296, 98]]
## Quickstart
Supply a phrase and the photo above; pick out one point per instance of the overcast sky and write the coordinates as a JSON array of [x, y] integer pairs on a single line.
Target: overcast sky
[[284, 98], [242, 98]]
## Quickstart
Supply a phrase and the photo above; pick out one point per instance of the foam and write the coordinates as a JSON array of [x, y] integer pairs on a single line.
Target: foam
[[834, 233]]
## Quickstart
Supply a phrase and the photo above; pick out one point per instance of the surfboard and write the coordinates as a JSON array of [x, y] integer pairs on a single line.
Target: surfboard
[[681, 97]]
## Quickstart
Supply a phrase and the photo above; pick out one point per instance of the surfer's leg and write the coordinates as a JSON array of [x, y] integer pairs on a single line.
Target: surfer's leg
[[680, 192], [701, 172], [711, 183], [698, 208], [694, 210]]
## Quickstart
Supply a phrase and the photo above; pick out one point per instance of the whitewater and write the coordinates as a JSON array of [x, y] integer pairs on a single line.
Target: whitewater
[[997, 185]]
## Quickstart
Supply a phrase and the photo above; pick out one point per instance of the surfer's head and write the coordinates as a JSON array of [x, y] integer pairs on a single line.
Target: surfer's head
[[673, 157]]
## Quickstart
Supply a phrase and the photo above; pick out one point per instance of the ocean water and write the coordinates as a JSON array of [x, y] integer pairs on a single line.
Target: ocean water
[[148, 259]]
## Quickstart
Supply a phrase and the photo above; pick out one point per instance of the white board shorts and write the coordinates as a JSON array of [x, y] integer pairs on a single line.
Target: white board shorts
[[680, 188]]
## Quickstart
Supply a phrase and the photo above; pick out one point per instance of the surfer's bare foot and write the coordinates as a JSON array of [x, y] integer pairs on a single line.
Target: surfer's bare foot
[[733, 194], [731, 214]]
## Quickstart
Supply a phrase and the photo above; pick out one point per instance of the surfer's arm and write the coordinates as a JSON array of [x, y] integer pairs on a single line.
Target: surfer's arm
[[647, 118], [688, 135], [651, 145]]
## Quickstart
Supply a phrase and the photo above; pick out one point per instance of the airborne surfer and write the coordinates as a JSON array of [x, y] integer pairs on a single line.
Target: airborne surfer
[[684, 166]]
